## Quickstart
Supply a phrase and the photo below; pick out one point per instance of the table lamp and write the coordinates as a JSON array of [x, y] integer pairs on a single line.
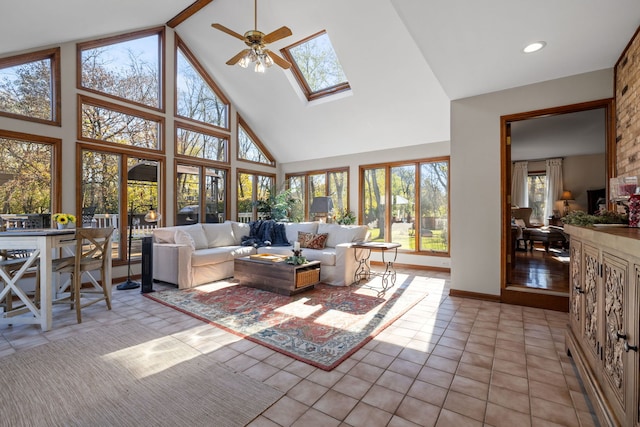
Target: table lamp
[[320, 207], [566, 196]]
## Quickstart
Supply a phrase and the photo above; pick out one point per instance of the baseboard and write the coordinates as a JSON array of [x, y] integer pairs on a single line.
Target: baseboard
[[414, 267], [473, 295]]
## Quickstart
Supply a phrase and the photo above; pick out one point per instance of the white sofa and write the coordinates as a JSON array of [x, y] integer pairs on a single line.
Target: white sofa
[[196, 254]]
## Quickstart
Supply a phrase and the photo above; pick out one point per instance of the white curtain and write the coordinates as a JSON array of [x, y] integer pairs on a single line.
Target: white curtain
[[519, 187], [554, 186]]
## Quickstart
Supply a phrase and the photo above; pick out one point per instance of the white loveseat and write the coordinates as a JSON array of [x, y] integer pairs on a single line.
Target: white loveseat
[[196, 254]]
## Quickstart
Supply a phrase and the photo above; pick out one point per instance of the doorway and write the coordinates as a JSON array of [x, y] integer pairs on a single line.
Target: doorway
[[535, 271]]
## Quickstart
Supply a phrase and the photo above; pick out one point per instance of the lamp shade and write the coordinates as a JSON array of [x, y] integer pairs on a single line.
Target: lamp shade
[[152, 216], [321, 205], [566, 195]]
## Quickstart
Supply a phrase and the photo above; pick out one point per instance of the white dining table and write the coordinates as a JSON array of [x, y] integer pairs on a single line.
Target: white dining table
[[44, 245]]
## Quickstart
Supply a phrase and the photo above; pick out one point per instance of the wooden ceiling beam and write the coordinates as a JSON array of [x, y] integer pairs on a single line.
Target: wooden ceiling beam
[[187, 13]]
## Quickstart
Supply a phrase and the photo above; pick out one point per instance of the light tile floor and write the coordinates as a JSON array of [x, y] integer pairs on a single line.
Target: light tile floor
[[447, 362]]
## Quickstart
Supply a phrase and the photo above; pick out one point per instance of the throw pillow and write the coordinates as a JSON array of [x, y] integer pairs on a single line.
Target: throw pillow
[[312, 241], [219, 235]]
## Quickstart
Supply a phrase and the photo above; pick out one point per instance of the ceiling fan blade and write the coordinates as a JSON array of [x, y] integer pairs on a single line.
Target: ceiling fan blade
[[276, 35], [278, 60], [228, 31], [238, 57]]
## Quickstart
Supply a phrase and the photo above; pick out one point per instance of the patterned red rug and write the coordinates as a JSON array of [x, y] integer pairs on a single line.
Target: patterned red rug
[[321, 327]]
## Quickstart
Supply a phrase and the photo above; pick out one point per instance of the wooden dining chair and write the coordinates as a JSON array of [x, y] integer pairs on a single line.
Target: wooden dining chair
[[92, 246]]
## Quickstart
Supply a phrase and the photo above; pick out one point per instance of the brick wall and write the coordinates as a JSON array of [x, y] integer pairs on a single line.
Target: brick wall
[[627, 93]]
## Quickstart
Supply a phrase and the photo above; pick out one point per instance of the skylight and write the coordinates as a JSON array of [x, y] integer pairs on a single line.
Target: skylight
[[316, 66]]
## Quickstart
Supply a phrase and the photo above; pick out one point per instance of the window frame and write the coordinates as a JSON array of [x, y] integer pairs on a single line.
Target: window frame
[[202, 165], [123, 201], [254, 192], [240, 122], [307, 196], [56, 161], [388, 206], [53, 55], [83, 99], [530, 175], [302, 81], [92, 44], [181, 46], [209, 132]]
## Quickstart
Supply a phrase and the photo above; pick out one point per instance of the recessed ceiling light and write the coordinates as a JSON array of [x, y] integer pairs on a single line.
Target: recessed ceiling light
[[534, 47]]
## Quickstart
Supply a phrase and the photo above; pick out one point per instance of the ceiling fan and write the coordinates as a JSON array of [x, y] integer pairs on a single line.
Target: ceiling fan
[[257, 42]]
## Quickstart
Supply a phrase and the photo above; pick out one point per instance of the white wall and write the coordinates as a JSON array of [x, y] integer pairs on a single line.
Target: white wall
[[353, 162], [476, 165], [582, 173]]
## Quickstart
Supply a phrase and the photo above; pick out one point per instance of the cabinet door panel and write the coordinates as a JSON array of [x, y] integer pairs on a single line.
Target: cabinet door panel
[[591, 328], [575, 287], [615, 281]]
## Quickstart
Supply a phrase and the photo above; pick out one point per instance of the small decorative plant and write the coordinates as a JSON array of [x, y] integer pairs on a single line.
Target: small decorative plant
[[64, 218], [345, 217], [605, 217]]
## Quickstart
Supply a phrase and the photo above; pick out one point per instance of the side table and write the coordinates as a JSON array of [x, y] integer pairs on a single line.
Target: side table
[[363, 271]]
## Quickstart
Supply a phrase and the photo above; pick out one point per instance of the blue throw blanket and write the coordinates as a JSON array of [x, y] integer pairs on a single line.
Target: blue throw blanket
[[265, 233]]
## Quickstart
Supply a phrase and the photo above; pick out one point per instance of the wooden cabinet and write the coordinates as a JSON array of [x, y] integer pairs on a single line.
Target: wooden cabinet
[[604, 318]]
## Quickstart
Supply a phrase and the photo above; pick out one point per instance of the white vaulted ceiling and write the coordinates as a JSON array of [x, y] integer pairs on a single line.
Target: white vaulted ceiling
[[405, 59]]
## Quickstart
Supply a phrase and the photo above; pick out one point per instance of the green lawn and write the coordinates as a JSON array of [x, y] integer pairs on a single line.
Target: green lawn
[[436, 242]]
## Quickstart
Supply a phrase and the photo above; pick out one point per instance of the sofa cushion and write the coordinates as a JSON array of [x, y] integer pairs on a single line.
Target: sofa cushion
[[219, 235], [292, 229], [197, 234], [181, 237], [241, 251], [211, 256], [311, 240], [342, 233], [164, 235], [240, 230], [325, 256]]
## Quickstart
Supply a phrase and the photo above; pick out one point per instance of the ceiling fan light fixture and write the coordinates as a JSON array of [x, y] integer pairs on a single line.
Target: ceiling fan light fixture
[[260, 68], [245, 61], [534, 47], [268, 62]]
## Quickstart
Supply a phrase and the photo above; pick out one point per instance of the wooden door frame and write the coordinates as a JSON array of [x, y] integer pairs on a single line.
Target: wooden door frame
[[531, 297]]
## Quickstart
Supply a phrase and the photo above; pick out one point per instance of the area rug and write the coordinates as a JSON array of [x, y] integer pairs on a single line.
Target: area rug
[[321, 327], [125, 375]]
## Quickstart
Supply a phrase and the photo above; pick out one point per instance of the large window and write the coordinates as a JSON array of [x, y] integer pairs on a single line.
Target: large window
[[119, 189], [201, 143], [28, 173], [250, 148], [127, 67], [107, 122], [537, 186], [316, 67], [307, 185], [408, 203], [197, 96], [252, 186], [201, 194], [30, 86]]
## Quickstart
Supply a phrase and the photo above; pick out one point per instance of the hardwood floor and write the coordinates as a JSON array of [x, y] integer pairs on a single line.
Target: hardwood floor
[[541, 270]]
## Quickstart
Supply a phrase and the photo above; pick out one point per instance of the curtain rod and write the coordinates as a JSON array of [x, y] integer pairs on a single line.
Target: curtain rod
[[537, 160]]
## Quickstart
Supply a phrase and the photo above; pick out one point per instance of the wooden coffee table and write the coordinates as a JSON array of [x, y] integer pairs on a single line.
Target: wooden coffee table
[[276, 276]]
